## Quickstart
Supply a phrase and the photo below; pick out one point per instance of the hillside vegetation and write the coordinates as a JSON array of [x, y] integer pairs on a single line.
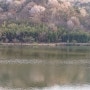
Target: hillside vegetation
[[44, 21]]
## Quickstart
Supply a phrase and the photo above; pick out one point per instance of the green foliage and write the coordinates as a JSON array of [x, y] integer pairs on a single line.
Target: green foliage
[[77, 36], [27, 33]]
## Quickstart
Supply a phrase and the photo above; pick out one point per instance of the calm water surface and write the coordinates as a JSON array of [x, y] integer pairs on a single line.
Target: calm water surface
[[44, 68]]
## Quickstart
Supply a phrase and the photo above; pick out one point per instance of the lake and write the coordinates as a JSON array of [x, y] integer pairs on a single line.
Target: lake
[[45, 68]]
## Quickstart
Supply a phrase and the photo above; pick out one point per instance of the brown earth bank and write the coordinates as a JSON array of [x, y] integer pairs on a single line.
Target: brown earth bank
[[45, 44]]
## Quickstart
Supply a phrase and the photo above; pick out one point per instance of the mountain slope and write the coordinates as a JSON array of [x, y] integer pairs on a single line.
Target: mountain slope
[[51, 12], [44, 21]]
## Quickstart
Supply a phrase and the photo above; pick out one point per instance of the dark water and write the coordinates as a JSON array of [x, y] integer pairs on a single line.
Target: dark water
[[45, 68]]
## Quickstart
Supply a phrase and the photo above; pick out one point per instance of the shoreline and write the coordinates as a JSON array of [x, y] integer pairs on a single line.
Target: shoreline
[[45, 44]]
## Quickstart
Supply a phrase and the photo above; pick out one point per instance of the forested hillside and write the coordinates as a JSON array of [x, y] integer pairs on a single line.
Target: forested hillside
[[44, 21]]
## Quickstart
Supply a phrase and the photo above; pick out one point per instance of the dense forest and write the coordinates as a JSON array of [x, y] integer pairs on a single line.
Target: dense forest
[[27, 33], [48, 21]]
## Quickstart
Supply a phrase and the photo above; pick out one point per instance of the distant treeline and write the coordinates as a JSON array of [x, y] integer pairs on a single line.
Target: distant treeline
[[26, 33]]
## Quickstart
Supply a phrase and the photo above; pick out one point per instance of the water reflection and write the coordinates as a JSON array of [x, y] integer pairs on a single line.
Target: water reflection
[[22, 76], [11, 52], [43, 75]]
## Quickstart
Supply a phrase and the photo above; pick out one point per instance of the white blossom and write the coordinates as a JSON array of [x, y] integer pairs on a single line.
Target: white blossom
[[37, 9]]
